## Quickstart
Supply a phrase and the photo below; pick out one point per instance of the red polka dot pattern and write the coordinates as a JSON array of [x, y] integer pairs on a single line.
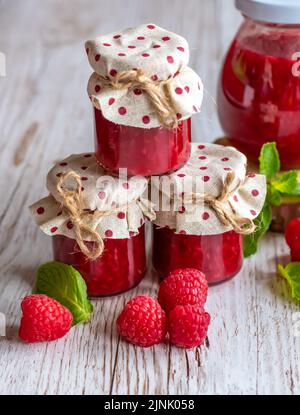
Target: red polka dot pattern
[[137, 91], [102, 195], [247, 202], [141, 48], [113, 72], [40, 210], [122, 110], [146, 119], [205, 216]]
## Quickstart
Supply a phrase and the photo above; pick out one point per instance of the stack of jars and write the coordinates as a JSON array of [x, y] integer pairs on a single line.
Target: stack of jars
[[143, 95]]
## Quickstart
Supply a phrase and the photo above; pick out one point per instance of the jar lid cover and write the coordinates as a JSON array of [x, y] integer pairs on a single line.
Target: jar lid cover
[[271, 11], [155, 60], [121, 200], [205, 175]]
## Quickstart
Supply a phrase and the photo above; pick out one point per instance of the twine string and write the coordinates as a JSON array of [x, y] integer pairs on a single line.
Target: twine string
[[72, 204], [158, 93], [244, 226]]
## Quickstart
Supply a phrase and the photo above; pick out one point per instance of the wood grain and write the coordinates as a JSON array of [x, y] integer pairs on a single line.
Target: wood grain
[[45, 115]]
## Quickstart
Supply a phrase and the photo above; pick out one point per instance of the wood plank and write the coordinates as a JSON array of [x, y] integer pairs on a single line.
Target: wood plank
[[44, 116]]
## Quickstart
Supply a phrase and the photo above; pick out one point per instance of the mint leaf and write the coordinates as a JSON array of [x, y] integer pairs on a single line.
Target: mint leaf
[[292, 274], [295, 192], [269, 163], [273, 196], [63, 283], [287, 182], [262, 222]]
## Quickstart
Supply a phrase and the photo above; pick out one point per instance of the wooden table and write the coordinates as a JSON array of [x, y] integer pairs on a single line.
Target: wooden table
[[45, 115]]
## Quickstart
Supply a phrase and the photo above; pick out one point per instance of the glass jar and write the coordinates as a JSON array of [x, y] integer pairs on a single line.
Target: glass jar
[[120, 268], [144, 152], [259, 88], [219, 257]]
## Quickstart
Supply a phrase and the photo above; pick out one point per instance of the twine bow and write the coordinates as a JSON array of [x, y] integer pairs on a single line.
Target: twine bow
[[72, 203], [244, 226], [157, 91]]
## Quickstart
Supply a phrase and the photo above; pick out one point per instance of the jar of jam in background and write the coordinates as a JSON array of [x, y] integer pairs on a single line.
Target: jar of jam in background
[[219, 257], [145, 152], [259, 88], [120, 268]]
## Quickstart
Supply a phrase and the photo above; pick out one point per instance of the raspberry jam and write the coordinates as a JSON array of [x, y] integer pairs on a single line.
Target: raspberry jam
[[259, 90], [121, 266], [141, 151], [219, 257]]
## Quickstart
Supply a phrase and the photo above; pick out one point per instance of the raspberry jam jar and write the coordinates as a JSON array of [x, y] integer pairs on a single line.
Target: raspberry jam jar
[[120, 268], [144, 95], [141, 151], [96, 222], [202, 212], [259, 88], [219, 257]]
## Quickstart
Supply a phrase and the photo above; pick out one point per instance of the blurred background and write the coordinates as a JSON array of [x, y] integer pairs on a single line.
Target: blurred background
[[47, 70]]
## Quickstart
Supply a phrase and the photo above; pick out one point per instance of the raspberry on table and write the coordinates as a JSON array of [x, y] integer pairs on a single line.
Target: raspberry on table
[[292, 237], [142, 322], [44, 319], [187, 325], [181, 287]]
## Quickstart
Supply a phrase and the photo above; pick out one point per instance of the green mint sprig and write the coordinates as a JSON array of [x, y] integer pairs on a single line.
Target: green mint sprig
[[292, 274], [278, 185], [63, 283]]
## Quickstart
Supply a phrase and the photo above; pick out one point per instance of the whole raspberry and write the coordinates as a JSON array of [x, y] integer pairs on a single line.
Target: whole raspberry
[[292, 237], [188, 326], [142, 322], [44, 319], [181, 287]]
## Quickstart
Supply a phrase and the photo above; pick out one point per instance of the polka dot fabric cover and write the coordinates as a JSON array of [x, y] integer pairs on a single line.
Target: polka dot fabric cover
[[160, 54], [205, 173], [99, 192]]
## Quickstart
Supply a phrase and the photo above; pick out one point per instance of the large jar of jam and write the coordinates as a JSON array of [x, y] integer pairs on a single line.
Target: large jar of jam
[[144, 95], [96, 222], [203, 211], [259, 89]]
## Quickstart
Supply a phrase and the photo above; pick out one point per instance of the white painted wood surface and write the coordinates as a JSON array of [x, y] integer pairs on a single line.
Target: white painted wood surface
[[44, 115]]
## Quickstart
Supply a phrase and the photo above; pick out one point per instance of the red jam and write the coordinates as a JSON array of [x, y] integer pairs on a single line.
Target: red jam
[[259, 91], [144, 152], [219, 257], [121, 266]]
